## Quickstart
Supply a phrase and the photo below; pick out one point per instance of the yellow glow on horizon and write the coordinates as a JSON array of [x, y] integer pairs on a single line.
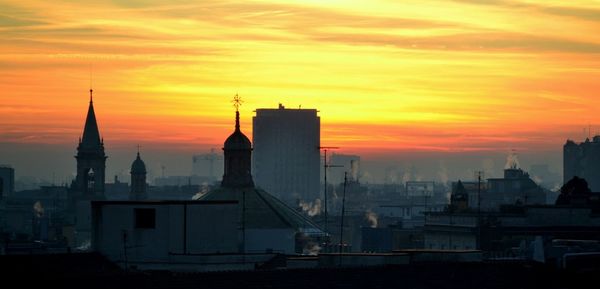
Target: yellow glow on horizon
[[430, 75]]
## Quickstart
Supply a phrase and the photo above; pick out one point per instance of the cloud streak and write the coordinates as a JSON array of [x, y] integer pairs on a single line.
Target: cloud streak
[[473, 71]]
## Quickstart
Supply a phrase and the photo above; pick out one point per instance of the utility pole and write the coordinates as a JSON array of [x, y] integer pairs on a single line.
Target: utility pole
[[325, 167], [343, 211]]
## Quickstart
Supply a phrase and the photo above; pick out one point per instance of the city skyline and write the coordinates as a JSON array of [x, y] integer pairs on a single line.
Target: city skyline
[[463, 77]]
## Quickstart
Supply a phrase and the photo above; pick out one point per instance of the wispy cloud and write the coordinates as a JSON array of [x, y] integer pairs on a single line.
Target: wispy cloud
[[474, 71]]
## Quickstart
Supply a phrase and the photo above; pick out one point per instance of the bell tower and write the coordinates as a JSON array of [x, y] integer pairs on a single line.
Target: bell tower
[[91, 159]]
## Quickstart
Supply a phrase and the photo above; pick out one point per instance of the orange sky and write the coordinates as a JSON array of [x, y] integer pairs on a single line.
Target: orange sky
[[427, 75]]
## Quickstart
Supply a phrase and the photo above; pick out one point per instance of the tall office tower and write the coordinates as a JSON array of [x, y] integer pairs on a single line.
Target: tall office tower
[[583, 160], [7, 181], [286, 159]]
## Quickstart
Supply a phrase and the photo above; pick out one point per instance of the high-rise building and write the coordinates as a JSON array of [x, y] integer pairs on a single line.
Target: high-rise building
[[7, 181], [286, 152], [91, 160], [583, 160]]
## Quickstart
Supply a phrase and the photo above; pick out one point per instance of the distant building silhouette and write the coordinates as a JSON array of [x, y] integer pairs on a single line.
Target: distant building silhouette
[[515, 188], [138, 179], [91, 159], [576, 192], [583, 160], [459, 199], [7, 181], [286, 152]]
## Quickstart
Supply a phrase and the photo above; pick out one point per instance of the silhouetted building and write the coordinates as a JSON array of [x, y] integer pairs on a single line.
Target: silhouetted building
[[515, 188], [472, 190], [286, 152], [171, 235], [583, 160], [267, 223], [138, 180], [117, 189], [505, 229], [576, 192], [7, 181], [91, 159], [459, 199]]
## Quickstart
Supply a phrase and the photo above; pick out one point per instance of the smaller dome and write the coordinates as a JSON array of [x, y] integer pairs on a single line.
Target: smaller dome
[[237, 140], [138, 166]]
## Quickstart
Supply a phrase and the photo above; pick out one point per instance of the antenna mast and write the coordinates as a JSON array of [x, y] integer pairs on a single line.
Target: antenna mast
[[342, 222], [479, 175], [325, 167]]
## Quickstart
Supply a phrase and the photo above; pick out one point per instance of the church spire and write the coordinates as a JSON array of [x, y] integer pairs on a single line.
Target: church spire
[[91, 157], [91, 134]]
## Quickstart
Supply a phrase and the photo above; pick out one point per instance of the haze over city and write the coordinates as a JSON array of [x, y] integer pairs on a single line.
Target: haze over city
[[430, 84]]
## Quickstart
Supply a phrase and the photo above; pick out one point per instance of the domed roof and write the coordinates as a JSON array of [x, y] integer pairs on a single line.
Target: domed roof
[[138, 166], [237, 140]]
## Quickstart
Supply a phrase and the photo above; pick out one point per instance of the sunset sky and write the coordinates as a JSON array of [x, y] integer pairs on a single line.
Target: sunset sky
[[423, 75]]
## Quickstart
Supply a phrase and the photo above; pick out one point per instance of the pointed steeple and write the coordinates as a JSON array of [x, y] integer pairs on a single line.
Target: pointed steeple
[[91, 134], [90, 157]]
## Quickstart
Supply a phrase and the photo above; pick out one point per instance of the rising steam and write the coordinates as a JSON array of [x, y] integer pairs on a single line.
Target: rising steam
[[38, 209], [203, 191], [372, 218], [311, 208], [512, 161]]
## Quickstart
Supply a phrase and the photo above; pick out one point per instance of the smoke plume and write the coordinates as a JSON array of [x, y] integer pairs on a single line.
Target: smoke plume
[[311, 208], [512, 161], [203, 191], [372, 218], [38, 209]]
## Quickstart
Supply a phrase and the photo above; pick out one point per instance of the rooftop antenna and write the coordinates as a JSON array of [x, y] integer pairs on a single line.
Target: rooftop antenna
[[325, 167], [480, 175], [91, 90], [342, 221]]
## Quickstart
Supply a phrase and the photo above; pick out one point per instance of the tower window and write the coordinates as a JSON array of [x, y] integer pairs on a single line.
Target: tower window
[[145, 218]]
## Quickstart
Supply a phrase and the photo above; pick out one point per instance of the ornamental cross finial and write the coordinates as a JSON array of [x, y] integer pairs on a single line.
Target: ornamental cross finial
[[237, 102]]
